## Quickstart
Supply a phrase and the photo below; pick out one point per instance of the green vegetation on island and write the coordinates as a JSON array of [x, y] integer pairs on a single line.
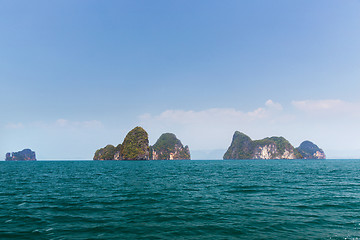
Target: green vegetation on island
[[106, 153], [242, 147], [168, 147], [135, 145]]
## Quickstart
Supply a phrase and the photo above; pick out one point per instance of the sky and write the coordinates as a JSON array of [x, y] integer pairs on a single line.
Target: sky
[[78, 75]]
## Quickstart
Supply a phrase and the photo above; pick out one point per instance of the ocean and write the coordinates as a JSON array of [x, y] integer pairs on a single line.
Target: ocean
[[232, 199]]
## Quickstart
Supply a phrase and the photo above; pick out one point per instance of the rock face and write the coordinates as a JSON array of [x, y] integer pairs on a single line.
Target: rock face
[[134, 147], [275, 148], [309, 150], [168, 147], [242, 147], [24, 155]]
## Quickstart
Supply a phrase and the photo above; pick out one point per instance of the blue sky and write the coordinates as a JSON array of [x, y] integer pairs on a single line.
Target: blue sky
[[77, 75]]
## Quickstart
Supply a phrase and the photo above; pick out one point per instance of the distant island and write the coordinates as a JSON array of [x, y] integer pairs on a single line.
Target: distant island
[[242, 147], [24, 155], [136, 147], [309, 150], [168, 147]]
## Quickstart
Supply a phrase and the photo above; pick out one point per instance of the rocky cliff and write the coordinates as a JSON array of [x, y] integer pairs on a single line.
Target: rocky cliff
[[275, 148], [168, 147], [134, 147], [24, 155], [242, 147], [309, 150]]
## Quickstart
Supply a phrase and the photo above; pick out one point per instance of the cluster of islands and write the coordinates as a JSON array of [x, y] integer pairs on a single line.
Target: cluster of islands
[[168, 147]]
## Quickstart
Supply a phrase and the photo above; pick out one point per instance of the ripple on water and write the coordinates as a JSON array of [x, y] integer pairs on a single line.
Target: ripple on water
[[180, 200]]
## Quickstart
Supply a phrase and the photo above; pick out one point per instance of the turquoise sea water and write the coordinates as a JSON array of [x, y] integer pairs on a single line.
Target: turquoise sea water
[[252, 199]]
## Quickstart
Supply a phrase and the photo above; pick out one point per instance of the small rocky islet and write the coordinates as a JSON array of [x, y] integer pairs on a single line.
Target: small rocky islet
[[24, 155], [136, 147], [243, 147]]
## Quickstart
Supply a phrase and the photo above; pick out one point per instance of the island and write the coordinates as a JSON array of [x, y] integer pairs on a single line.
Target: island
[[24, 155], [309, 150], [136, 147], [243, 147], [168, 147]]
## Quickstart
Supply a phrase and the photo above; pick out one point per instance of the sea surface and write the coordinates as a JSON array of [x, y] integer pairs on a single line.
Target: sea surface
[[243, 199]]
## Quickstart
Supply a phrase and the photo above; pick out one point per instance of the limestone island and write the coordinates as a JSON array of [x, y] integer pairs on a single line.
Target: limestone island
[[309, 150], [136, 147], [242, 147], [168, 147], [24, 155]]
